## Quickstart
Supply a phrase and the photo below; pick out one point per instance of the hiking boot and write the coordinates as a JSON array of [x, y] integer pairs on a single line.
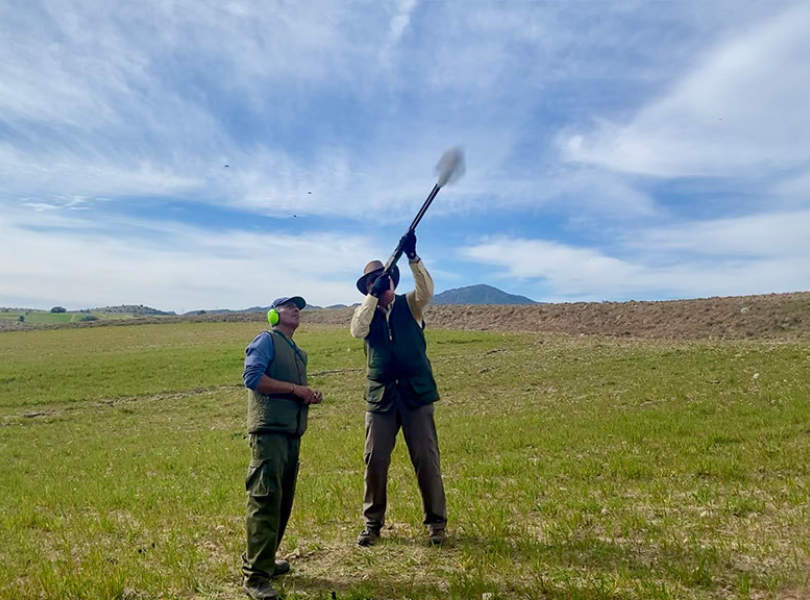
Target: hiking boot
[[436, 537], [282, 567], [259, 589], [368, 537]]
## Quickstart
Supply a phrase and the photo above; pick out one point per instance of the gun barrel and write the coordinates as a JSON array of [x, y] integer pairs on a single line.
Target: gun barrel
[[425, 206], [398, 251]]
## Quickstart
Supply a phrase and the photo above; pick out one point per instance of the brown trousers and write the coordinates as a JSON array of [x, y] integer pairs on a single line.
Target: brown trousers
[[423, 446]]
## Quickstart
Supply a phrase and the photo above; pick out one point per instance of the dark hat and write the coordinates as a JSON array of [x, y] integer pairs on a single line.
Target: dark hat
[[297, 300], [372, 271]]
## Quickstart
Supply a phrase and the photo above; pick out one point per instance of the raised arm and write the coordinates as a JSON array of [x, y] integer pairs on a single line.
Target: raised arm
[[420, 297]]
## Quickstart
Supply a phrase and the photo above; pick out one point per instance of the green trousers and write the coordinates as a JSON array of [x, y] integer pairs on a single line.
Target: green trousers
[[270, 486]]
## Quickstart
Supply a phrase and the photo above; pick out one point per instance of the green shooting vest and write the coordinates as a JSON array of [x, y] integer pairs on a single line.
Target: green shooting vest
[[398, 368], [280, 413]]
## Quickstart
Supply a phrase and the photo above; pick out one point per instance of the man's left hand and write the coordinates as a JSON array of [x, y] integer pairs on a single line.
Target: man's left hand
[[408, 243]]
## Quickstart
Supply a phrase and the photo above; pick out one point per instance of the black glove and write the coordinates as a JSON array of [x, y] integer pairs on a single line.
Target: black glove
[[382, 283], [408, 243]]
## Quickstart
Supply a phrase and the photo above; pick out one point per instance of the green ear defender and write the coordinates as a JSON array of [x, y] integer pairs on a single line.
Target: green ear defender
[[272, 316]]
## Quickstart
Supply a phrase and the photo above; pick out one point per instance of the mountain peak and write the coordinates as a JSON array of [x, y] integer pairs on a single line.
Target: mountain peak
[[479, 294]]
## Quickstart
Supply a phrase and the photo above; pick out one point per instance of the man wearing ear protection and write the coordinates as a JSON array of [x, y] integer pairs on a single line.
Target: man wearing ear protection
[[400, 391], [278, 400]]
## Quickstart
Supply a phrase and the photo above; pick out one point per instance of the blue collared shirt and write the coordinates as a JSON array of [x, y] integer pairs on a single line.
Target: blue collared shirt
[[258, 356]]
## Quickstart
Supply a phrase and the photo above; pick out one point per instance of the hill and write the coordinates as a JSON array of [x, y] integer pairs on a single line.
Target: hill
[[479, 294], [251, 309], [131, 309], [27, 318]]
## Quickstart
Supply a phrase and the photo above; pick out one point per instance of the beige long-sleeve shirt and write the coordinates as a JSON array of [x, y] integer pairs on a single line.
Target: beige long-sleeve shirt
[[417, 299]]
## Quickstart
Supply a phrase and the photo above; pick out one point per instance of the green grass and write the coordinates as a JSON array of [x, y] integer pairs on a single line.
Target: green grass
[[40, 317], [11, 314], [574, 468]]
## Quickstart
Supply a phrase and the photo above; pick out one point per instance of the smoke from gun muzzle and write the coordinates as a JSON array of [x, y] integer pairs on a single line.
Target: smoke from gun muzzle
[[450, 166]]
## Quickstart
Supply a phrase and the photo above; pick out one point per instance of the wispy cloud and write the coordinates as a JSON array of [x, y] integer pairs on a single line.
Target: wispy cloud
[[742, 107], [778, 235], [397, 26], [749, 255], [182, 267], [142, 144]]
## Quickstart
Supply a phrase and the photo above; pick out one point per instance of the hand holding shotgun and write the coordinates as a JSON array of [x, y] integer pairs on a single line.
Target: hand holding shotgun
[[407, 244]]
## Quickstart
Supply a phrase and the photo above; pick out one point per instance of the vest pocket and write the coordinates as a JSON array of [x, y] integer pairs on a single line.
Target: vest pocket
[[423, 390], [375, 391]]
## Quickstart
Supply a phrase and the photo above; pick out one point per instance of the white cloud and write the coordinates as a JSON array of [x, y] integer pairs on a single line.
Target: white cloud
[[568, 270], [744, 107], [126, 109], [398, 25], [777, 235], [48, 175], [64, 261], [341, 110], [127, 112], [111, 116], [747, 255]]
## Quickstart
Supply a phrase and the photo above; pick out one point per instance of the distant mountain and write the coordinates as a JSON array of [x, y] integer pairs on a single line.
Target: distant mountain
[[251, 309], [133, 309], [266, 308], [479, 294], [474, 294], [213, 311]]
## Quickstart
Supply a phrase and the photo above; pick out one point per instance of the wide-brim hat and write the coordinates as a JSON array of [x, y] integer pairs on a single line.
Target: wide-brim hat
[[372, 271]]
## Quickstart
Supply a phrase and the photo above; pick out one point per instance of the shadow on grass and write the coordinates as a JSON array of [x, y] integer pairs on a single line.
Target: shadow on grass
[[535, 570], [461, 588], [380, 588], [586, 566], [320, 588]]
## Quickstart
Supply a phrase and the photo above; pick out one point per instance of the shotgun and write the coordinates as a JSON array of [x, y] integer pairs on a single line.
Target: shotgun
[[449, 168]]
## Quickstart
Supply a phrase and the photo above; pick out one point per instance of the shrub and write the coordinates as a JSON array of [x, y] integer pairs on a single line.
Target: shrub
[[58, 309]]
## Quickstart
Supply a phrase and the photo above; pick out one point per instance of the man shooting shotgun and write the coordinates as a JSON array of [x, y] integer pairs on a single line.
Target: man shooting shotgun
[[400, 388]]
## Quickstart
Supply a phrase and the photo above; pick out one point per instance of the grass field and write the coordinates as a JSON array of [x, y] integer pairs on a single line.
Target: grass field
[[574, 468], [39, 317]]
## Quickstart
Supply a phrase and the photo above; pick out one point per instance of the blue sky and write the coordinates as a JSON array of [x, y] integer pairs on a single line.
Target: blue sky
[[615, 151]]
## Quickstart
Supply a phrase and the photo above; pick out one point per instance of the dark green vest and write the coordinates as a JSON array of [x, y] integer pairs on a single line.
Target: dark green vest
[[398, 369], [280, 413]]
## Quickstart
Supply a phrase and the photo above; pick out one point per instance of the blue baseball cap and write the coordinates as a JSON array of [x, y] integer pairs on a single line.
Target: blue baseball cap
[[297, 300]]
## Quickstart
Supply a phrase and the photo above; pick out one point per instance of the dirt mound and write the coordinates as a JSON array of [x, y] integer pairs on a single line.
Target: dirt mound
[[772, 316]]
